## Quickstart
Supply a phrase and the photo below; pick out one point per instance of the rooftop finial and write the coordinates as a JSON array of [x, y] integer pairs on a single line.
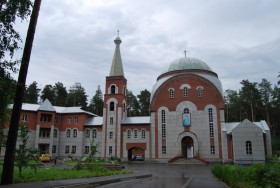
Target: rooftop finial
[[185, 52], [118, 32]]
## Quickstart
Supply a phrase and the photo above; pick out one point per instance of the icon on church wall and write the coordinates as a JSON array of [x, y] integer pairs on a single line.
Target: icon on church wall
[[186, 120]]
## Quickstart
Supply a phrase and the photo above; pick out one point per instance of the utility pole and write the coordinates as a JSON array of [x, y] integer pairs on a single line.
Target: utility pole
[[8, 166]]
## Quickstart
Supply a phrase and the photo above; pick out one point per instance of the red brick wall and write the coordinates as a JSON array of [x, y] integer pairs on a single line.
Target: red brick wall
[[211, 95]]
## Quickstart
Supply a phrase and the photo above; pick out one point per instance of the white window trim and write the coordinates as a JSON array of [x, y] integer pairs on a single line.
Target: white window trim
[[169, 93]]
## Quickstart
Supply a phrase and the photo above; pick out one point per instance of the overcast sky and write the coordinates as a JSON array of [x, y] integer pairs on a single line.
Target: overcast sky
[[238, 39]]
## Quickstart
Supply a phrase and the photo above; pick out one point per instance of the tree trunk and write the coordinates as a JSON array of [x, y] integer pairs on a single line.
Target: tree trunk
[[8, 166]]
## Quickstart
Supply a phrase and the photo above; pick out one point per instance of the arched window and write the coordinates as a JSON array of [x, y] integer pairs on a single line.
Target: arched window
[[249, 148], [124, 90], [211, 125], [128, 134], [112, 106], [143, 134], [135, 134], [87, 133], [68, 133], [163, 125], [113, 89], [75, 133], [199, 91], [171, 93], [186, 111], [185, 91], [94, 133], [55, 133], [124, 107], [210, 114]]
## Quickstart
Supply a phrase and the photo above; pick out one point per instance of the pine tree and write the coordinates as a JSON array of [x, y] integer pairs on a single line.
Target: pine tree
[[97, 103], [31, 94]]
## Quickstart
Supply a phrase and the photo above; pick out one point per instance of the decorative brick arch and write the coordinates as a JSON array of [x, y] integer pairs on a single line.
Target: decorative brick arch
[[192, 136]]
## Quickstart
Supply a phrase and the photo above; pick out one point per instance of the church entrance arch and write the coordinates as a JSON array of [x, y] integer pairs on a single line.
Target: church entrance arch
[[136, 154], [187, 147], [189, 144]]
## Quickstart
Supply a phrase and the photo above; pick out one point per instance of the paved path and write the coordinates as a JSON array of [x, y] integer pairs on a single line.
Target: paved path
[[176, 175], [145, 175]]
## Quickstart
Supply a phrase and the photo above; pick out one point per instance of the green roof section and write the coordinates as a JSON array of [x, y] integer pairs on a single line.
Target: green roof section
[[188, 63]]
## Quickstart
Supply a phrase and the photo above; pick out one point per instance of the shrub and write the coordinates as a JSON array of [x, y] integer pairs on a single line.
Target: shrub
[[259, 175]]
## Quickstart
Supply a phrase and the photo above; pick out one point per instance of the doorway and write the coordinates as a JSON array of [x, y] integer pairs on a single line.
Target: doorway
[[136, 154], [44, 148], [187, 147]]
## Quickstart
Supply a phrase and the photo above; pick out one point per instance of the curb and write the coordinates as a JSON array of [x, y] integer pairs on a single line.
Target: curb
[[93, 182], [105, 182]]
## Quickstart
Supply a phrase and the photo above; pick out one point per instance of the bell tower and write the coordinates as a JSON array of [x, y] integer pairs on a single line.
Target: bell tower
[[115, 100]]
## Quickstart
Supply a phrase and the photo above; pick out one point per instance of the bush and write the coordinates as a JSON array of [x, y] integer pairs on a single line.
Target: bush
[[259, 175], [274, 159]]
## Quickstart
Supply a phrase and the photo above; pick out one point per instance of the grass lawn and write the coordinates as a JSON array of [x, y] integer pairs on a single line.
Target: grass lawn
[[45, 174]]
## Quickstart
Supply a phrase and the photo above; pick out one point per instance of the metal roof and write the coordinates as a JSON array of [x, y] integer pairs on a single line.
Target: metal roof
[[57, 109], [94, 121], [188, 63], [137, 120], [46, 106], [228, 127], [117, 67]]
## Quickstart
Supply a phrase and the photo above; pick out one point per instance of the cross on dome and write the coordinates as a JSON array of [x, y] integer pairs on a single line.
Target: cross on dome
[[185, 52]]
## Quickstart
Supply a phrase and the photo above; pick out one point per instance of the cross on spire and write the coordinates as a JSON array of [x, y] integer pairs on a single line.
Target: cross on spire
[[185, 52]]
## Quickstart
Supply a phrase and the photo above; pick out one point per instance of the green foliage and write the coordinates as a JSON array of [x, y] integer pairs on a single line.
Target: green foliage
[[77, 96], [274, 159], [23, 153], [56, 94], [60, 94], [275, 142], [31, 94], [9, 12], [115, 159], [144, 102], [254, 101], [97, 103], [92, 150], [259, 175], [49, 174], [133, 107], [48, 93], [7, 90]]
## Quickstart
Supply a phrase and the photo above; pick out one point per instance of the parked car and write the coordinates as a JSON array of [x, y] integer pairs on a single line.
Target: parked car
[[138, 157], [45, 158]]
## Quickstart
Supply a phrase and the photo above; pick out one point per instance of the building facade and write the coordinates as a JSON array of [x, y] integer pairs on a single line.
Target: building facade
[[186, 119]]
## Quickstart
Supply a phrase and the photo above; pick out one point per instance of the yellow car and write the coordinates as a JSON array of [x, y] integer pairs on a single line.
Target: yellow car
[[45, 158]]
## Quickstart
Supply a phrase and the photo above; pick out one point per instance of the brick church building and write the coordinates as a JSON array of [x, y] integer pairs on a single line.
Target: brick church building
[[186, 119]]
